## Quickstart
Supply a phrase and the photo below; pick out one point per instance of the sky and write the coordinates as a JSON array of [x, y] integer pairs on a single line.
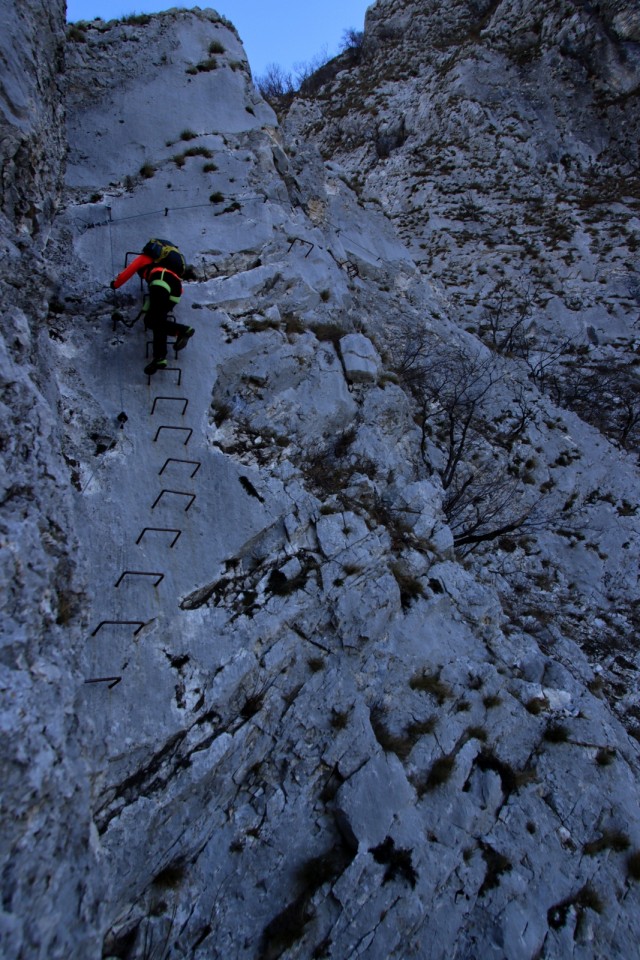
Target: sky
[[285, 32]]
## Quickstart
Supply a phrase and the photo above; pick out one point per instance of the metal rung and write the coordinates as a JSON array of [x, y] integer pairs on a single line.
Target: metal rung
[[178, 493], [167, 427], [300, 240], [177, 370], [177, 460], [129, 623], [351, 268], [112, 681], [170, 343], [161, 530], [348, 265], [178, 399], [149, 343], [139, 573]]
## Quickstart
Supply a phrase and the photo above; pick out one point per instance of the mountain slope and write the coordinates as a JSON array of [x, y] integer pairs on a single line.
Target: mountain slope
[[502, 141], [335, 676]]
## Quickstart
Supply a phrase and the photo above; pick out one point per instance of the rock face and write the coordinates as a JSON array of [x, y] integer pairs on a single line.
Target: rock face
[[360, 358], [31, 111], [51, 887], [501, 140], [321, 642]]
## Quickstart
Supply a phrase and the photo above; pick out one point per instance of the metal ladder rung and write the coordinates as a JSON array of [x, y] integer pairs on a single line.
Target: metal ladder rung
[[140, 573], [114, 683], [178, 493], [197, 463], [169, 427], [129, 623], [161, 530]]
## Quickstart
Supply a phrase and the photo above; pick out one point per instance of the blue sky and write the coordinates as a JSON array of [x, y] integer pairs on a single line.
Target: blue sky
[[286, 32]]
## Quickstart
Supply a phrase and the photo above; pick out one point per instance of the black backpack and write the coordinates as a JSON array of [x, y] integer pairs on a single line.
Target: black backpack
[[165, 254]]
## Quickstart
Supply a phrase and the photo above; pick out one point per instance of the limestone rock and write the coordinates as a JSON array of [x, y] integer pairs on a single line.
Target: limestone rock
[[360, 358], [32, 113], [320, 642]]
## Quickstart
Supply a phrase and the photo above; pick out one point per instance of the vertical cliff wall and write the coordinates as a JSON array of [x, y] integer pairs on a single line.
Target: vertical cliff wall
[[49, 878], [32, 138], [266, 691]]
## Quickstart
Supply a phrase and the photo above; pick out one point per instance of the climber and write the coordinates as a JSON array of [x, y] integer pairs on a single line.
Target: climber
[[163, 267]]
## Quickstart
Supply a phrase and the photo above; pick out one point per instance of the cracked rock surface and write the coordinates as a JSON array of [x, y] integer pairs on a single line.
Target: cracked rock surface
[[322, 642]]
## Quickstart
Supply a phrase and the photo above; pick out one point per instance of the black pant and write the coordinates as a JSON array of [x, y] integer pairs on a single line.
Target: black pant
[[163, 327]]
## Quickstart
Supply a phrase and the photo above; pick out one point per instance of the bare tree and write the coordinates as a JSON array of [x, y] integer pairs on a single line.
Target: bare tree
[[352, 39], [451, 385], [275, 83], [543, 357], [410, 346], [605, 394], [352, 44], [454, 384], [488, 506], [522, 414], [506, 321]]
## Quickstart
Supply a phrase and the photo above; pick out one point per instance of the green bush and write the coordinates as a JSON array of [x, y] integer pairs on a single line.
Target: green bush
[[136, 20], [205, 66], [198, 152], [76, 33]]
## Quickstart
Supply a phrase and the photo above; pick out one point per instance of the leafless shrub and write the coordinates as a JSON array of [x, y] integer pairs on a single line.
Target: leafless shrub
[[428, 682], [605, 394], [506, 323], [486, 506], [508, 326], [439, 773], [313, 74], [452, 385], [543, 356], [275, 83], [352, 39], [410, 347], [616, 840], [523, 414]]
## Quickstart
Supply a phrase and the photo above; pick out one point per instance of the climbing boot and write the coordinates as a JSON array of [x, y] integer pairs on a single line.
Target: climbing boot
[[155, 365], [183, 339]]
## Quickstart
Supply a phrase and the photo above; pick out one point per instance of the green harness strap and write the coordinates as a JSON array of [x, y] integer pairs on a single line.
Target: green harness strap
[[160, 282]]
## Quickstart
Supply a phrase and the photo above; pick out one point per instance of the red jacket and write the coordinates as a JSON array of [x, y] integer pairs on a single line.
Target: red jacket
[[141, 261]]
